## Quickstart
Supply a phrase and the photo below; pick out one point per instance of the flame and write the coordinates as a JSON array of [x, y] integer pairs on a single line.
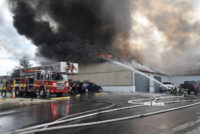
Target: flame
[[103, 56], [109, 56]]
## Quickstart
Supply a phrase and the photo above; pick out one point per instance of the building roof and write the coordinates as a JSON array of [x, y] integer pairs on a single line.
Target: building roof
[[152, 72], [109, 67], [4, 77], [143, 68]]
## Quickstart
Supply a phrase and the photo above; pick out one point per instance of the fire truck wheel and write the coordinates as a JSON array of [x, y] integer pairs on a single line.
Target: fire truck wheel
[[188, 92], [195, 92], [86, 90], [42, 92], [60, 94], [73, 91], [100, 90]]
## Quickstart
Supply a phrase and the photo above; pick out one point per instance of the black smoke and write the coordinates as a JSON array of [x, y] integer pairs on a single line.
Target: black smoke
[[72, 30]]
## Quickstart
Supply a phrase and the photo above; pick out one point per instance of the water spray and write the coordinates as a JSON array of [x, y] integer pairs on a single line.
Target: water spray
[[136, 71]]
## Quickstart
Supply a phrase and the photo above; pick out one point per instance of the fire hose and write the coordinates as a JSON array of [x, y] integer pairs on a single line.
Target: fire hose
[[33, 129], [73, 119], [61, 120], [111, 120]]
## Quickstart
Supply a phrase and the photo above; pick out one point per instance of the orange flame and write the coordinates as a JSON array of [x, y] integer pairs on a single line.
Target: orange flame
[[109, 56], [102, 56]]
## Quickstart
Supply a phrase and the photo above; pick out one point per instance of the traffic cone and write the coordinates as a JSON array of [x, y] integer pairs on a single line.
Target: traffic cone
[[13, 94], [13, 91]]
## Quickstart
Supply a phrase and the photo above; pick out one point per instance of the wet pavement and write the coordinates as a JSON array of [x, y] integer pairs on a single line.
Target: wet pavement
[[177, 122]]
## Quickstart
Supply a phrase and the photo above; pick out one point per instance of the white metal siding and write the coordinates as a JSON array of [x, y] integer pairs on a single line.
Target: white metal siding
[[141, 83]]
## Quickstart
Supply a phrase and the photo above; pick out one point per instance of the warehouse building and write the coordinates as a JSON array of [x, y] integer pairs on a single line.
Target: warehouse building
[[3, 80], [116, 78]]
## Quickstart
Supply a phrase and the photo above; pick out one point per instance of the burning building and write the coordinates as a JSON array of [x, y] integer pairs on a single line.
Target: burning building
[[82, 30], [116, 78]]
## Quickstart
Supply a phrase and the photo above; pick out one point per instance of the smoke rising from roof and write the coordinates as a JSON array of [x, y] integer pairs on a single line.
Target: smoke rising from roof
[[162, 34], [166, 33], [75, 30]]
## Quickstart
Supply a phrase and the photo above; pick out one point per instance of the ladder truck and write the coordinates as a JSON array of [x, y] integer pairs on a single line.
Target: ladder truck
[[43, 80]]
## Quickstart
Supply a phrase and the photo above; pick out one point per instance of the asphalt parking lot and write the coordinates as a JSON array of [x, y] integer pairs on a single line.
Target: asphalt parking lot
[[176, 122]]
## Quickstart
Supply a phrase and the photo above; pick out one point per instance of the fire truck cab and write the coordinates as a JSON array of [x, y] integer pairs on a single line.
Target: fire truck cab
[[44, 80]]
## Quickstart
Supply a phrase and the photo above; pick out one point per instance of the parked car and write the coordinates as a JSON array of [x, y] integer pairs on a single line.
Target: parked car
[[83, 87], [90, 87], [167, 86], [190, 86]]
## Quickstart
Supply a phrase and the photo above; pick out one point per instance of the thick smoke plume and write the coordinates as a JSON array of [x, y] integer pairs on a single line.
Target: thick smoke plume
[[72, 30], [162, 34], [167, 34]]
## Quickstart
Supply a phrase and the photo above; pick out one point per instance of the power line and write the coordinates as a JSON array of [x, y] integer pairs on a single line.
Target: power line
[[17, 59]]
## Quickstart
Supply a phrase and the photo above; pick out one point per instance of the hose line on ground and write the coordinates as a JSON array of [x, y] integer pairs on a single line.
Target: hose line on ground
[[68, 118], [61, 120], [110, 120], [73, 119]]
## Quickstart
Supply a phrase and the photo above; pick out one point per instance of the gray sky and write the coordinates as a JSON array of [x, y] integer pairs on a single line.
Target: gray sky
[[12, 44], [165, 33]]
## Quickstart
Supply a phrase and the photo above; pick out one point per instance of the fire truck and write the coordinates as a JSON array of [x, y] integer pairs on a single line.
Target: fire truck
[[43, 80]]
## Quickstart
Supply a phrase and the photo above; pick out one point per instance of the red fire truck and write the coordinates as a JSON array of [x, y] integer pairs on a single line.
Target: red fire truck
[[43, 80]]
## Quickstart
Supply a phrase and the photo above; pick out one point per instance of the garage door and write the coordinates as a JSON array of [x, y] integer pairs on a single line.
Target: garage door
[[156, 85], [141, 83]]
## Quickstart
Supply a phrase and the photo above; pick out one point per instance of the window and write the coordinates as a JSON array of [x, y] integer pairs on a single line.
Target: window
[[42, 77], [38, 76], [47, 77], [17, 81], [59, 77], [92, 84], [31, 81]]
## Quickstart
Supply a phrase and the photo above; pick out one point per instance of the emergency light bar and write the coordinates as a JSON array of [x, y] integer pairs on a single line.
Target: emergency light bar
[[31, 70]]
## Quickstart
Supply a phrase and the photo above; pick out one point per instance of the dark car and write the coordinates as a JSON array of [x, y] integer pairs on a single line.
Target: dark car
[[190, 86], [90, 87]]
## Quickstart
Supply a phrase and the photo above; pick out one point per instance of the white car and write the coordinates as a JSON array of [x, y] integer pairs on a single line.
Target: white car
[[167, 86]]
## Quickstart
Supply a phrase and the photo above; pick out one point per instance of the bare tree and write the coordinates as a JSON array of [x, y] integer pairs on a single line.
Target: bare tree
[[24, 63]]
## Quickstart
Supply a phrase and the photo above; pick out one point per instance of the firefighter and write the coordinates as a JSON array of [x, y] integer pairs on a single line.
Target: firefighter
[[3, 91]]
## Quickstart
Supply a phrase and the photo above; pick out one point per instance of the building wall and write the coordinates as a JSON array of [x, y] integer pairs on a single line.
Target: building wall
[[142, 83], [119, 88], [157, 85], [104, 74], [152, 86], [113, 77], [177, 80], [100, 67], [166, 78], [121, 78], [3, 80]]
